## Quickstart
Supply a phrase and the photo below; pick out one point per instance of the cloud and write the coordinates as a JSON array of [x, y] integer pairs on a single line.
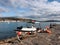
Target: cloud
[[3, 10], [38, 9], [5, 3], [42, 8], [0, 15]]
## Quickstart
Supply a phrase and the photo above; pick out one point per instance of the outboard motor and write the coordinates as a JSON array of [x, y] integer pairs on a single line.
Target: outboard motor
[[19, 27]]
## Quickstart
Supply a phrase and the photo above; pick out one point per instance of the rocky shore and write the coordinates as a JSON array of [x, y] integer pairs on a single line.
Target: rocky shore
[[38, 39]]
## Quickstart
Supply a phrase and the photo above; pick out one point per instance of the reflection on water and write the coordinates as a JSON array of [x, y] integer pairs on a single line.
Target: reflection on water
[[7, 28]]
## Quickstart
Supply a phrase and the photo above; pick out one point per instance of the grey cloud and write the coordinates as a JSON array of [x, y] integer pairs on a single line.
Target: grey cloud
[[5, 3], [3, 10], [39, 9]]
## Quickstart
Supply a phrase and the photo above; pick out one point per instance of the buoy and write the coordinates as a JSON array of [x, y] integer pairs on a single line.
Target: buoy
[[48, 31], [19, 33], [29, 33]]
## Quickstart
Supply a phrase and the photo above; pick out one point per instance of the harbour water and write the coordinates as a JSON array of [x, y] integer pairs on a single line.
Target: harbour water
[[7, 28]]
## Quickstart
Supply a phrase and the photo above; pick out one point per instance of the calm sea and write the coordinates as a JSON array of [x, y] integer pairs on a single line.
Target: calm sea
[[7, 28]]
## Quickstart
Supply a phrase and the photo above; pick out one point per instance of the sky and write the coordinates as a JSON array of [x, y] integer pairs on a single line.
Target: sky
[[33, 9]]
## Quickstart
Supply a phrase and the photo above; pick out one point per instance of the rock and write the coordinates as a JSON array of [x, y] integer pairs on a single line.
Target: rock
[[39, 39]]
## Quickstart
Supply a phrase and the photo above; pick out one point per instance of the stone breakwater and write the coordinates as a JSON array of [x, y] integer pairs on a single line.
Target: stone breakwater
[[38, 39]]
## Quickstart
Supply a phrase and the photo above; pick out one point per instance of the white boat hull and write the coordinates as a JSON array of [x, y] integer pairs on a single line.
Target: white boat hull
[[28, 29]]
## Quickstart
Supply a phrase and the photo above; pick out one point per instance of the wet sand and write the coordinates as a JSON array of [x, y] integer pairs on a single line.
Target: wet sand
[[38, 39]]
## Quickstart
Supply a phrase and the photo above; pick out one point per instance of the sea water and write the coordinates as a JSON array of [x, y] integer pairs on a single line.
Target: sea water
[[7, 28]]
